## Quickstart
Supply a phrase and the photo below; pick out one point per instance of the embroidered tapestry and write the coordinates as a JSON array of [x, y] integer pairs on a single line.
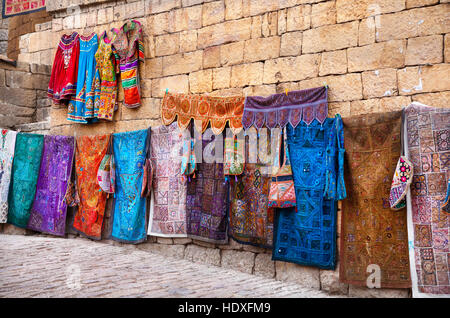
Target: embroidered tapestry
[[206, 207], [307, 235], [48, 213], [168, 204], [17, 7], [89, 153], [7, 145], [203, 110], [25, 170], [372, 233], [279, 109], [427, 147], [250, 218], [129, 216]]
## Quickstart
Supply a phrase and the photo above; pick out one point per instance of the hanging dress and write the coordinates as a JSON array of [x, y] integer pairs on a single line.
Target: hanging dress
[[63, 80], [129, 45], [83, 107], [7, 145], [108, 65]]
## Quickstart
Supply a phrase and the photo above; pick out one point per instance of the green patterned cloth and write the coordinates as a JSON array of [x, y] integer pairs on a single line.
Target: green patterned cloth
[[25, 171]]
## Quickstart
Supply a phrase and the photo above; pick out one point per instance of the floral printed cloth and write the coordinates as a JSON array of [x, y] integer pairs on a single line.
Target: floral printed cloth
[[7, 145]]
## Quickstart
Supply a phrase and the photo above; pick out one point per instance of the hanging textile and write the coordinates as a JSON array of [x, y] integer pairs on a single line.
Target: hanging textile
[[25, 170], [7, 145], [307, 236], [128, 221], [48, 213], [108, 65], [279, 109], [89, 152], [17, 7], [446, 203], [130, 48], [206, 206], [83, 106], [203, 110], [234, 152], [63, 80], [372, 233], [428, 148], [168, 203], [250, 219]]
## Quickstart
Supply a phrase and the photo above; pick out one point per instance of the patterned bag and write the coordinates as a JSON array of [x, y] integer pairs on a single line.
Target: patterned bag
[[282, 190], [106, 170], [234, 162]]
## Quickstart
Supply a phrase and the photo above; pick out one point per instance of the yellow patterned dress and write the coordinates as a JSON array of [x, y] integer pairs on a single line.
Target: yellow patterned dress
[[108, 66]]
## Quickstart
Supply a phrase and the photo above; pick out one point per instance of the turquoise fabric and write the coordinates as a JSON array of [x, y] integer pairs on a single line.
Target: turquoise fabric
[[129, 207], [25, 171]]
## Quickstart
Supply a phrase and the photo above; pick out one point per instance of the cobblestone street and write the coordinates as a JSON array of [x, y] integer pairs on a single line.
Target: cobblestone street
[[33, 266]]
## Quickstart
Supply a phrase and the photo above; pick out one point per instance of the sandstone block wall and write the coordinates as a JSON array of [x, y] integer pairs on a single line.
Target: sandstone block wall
[[375, 56], [3, 32]]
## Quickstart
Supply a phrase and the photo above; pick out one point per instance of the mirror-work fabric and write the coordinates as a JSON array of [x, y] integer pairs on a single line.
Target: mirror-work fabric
[[7, 145], [89, 153], [371, 232], [48, 214], [428, 148], [27, 160], [129, 216], [308, 236]]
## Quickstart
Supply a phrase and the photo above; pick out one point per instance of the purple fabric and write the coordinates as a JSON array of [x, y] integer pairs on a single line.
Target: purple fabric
[[48, 214], [280, 109]]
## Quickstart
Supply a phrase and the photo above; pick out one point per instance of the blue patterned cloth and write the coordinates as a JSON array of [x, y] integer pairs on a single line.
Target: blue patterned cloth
[[129, 207], [307, 235]]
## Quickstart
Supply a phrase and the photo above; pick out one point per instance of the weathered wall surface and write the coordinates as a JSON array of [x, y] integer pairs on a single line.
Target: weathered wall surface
[[3, 32], [375, 55]]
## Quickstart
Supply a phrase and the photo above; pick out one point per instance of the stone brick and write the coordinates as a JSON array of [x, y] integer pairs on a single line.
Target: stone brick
[[240, 261], [164, 240], [256, 31], [298, 18], [291, 44], [380, 83], [18, 96], [176, 251], [11, 229], [221, 77], [233, 9], [359, 9], [213, 12], [57, 24], [189, 3], [182, 240], [16, 110], [211, 57], [182, 63], [269, 24], [231, 54], [366, 33], [153, 67], [377, 105], [302, 275], [413, 23], [177, 84], [264, 266], [423, 79], [364, 292], [188, 41], [323, 13], [329, 282], [441, 99], [260, 90], [376, 56], [424, 50], [156, 6], [226, 32], [129, 11], [200, 254], [200, 82], [105, 15], [282, 21], [185, 19], [420, 3], [252, 8], [447, 48], [40, 41], [261, 49], [330, 37], [334, 62], [149, 109], [158, 24], [287, 69], [341, 108], [247, 74], [167, 44], [2, 78]]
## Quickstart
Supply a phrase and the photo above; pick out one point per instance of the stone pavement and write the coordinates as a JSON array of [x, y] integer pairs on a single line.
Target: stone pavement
[[32, 266]]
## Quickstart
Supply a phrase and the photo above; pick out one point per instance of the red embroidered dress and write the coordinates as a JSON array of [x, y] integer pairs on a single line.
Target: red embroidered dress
[[63, 80]]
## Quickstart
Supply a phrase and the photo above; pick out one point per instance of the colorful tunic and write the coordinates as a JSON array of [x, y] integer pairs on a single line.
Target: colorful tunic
[[108, 65], [27, 160], [48, 214], [89, 153], [7, 145], [129, 222], [206, 207], [63, 80], [168, 204], [130, 47], [307, 236], [83, 107], [371, 232], [428, 148]]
